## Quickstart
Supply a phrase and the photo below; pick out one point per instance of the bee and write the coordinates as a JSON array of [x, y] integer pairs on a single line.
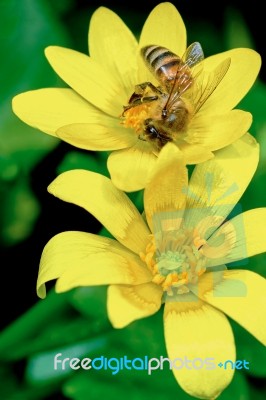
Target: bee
[[182, 91]]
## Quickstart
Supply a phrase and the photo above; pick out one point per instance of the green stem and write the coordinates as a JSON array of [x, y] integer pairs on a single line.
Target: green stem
[[33, 321]]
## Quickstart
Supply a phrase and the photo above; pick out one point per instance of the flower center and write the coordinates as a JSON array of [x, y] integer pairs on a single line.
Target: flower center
[[175, 259]]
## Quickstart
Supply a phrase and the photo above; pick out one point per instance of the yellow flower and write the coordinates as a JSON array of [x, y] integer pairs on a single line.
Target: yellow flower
[[88, 115], [173, 254]]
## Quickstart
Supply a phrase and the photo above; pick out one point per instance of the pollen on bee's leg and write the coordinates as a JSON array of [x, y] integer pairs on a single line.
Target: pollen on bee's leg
[[134, 117]]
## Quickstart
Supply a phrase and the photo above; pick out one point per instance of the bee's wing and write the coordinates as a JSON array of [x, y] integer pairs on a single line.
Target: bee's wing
[[208, 87], [190, 65], [193, 55]]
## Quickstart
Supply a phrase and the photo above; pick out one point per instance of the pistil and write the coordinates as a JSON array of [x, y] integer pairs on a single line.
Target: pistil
[[175, 259]]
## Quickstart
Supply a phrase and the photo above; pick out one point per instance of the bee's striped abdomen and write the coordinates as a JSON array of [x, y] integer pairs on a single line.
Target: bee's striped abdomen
[[162, 62]]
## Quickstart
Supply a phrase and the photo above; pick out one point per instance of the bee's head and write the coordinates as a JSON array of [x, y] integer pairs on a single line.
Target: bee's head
[[150, 129]]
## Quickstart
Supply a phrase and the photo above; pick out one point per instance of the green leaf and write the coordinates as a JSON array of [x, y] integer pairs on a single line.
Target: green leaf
[[66, 330], [43, 367], [27, 27], [258, 390], [142, 337], [30, 324], [62, 6], [257, 264], [132, 384], [137, 199], [251, 350], [90, 161], [238, 389], [91, 302], [90, 385], [18, 211], [8, 377], [236, 30], [13, 388], [254, 102], [8, 170], [24, 67], [261, 137]]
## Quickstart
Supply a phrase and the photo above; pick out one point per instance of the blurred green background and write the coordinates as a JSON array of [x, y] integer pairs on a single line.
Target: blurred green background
[[33, 331]]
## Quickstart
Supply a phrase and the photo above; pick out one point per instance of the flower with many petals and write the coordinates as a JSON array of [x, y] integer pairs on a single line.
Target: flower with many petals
[[89, 114], [173, 255]]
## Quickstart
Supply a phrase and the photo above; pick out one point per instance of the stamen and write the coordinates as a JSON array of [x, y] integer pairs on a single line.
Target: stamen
[[174, 258]]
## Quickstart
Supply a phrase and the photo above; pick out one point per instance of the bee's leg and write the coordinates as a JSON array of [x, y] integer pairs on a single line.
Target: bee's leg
[[141, 100], [144, 93], [144, 85], [138, 101], [141, 137]]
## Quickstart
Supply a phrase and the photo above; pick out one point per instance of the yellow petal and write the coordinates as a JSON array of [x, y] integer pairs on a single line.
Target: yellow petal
[[126, 304], [218, 131], [88, 78], [194, 153], [113, 45], [48, 109], [242, 296], [243, 71], [217, 185], [103, 269], [130, 168], [200, 336], [84, 259], [110, 206], [106, 134], [165, 27], [167, 188], [243, 237]]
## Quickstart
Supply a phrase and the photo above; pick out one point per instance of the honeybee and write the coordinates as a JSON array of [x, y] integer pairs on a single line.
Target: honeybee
[[183, 90]]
